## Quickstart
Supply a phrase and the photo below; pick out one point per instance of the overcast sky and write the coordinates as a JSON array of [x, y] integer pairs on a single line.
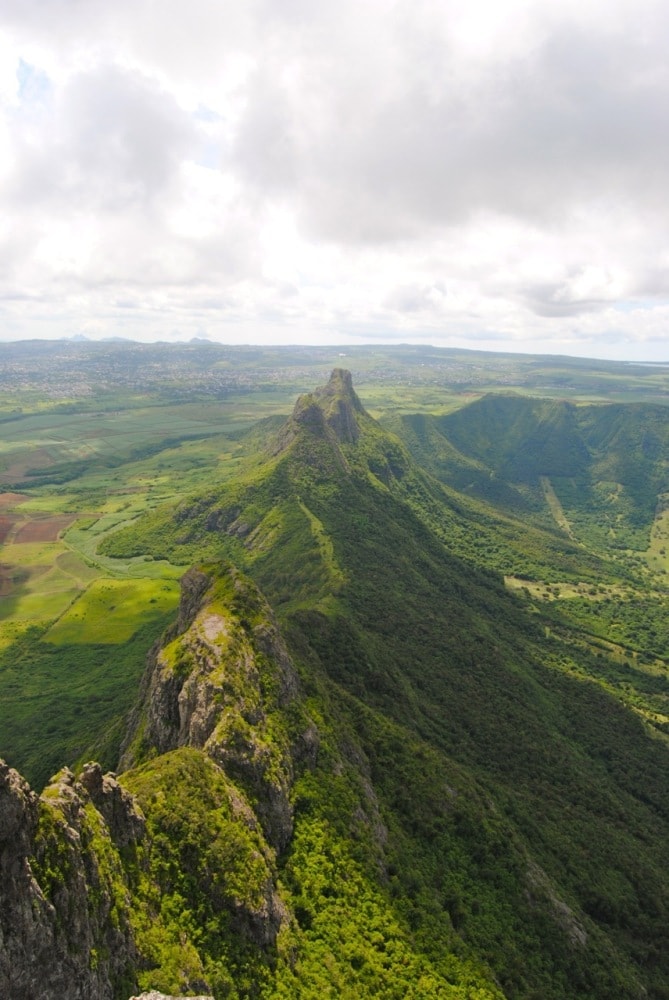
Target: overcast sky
[[468, 174]]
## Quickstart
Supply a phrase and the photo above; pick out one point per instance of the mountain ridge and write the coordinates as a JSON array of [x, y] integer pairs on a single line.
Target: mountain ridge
[[364, 767]]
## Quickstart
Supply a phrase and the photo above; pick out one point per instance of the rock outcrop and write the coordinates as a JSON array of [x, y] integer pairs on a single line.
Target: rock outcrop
[[64, 893], [72, 859], [153, 995], [218, 685], [331, 413]]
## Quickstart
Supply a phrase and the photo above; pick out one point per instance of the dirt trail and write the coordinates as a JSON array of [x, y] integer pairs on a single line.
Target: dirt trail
[[555, 507]]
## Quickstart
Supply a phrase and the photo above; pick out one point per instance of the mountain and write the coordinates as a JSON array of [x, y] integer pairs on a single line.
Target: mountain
[[607, 463], [358, 765]]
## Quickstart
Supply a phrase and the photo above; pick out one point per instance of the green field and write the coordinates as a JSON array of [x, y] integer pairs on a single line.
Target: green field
[[111, 611]]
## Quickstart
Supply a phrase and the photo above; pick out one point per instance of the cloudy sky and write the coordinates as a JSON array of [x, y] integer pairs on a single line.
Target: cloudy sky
[[458, 172]]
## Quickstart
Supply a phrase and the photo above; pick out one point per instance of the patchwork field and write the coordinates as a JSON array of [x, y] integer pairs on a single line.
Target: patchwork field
[[11, 499], [60, 447], [43, 529]]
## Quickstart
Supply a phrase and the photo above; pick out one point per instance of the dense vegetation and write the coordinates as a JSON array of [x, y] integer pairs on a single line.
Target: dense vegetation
[[430, 666], [478, 777]]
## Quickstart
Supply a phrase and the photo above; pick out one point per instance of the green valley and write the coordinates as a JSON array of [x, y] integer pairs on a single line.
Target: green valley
[[403, 727]]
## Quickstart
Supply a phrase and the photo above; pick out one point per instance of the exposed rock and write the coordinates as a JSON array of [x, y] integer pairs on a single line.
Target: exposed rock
[[215, 685], [18, 810], [540, 886], [340, 405], [26, 919], [157, 706], [331, 413], [123, 817], [153, 995], [62, 933], [194, 584]]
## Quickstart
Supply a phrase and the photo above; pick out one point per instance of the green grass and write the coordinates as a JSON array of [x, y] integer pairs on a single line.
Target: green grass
[[31, 553], [657, 554], [111, 611], [60, 704], [40, 608]]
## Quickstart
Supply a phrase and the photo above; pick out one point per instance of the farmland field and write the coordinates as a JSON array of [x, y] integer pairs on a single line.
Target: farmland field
[[43, 529], [110, 611]]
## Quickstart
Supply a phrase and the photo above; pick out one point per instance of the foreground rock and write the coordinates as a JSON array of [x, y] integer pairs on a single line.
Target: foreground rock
[[163, 996], [89, 886], [64, 896]]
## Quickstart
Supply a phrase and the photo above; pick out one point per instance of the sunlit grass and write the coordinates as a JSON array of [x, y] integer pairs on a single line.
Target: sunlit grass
[[31, 553], [110, 611], [39, 607], [657, 554], [11, 631]]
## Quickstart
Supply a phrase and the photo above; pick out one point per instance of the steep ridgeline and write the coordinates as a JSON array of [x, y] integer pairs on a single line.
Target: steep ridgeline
[[389, 783], [169, 879], [243, 850]]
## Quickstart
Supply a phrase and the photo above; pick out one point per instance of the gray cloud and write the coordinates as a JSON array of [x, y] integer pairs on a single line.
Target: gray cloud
[[381, 148], [556, 301], [114, 139], [416, 298], [338, 167]]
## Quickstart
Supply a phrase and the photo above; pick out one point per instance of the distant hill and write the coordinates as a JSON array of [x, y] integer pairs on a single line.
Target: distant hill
[[608, 463]]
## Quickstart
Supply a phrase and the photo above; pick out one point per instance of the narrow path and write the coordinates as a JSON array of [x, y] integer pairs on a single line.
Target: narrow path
[[555, 507]]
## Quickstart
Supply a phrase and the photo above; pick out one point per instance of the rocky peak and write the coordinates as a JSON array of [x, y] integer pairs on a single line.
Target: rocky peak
[[340, 384], [340, 405], [330, 412], [115, 804], [217, 686], [62, 930]]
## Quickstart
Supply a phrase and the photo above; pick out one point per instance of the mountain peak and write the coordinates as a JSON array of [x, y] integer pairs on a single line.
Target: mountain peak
[[340, 385], [339, 404], [331, 411]]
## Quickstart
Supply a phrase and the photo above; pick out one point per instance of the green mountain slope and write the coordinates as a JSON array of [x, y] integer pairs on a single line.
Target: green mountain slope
[[608, 463], [363, 767]]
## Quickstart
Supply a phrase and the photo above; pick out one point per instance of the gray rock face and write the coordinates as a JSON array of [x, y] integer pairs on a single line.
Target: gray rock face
[[215, 686], [331, 413], [58, 934], [25, 916], [153, 995], [340, 405], [123, 818]]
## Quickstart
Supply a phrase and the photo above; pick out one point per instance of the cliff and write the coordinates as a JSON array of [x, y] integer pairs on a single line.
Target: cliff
[[64, 918], [87, 884]]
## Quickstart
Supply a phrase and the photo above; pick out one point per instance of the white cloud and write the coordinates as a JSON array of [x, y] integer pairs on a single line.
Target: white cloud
[[484, 174]]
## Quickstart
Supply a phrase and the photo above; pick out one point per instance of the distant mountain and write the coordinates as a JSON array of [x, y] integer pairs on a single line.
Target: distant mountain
[[608, 463], [358, 766]]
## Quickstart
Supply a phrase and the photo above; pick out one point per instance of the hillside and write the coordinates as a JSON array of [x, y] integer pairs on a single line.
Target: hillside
[[608, 463], [358, 766]]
